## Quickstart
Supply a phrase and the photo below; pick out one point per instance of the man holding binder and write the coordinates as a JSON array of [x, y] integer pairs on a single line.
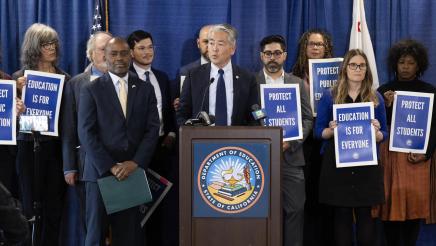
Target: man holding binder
[[119, 129]]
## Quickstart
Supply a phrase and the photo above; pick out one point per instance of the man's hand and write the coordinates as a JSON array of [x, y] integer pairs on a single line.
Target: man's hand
[[71, 178], [286, 146], [168, 142], [122, 170], [176, 104]]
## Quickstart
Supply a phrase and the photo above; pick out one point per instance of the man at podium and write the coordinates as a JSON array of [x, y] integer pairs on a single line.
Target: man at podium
[[219, 87]]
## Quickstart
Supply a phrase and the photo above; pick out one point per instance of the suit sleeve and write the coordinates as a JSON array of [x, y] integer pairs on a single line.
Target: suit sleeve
[[380, 115], [88, 132], [146, 147], [324, 113], [69, 128], [253, 99], [185, 110], [306, 118], [169, 114]]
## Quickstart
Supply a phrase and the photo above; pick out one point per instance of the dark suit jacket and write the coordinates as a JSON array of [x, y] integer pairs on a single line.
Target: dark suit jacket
[[73, 157], [109, 137], [183, 71], [168, 114], [245, 94], [294, 156]]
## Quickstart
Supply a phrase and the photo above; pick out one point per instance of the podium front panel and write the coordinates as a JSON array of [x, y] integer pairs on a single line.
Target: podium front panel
[[230, 186]]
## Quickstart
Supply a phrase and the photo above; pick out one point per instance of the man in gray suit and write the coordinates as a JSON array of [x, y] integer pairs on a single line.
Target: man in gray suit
[[71, 153], [73, 156], [273, 55]]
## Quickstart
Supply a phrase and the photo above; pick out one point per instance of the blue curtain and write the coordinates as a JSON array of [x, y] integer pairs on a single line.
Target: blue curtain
[[174, 25]]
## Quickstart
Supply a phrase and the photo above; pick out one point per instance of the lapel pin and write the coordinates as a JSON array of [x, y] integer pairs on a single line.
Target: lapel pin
[[237, 76], [133, 86]]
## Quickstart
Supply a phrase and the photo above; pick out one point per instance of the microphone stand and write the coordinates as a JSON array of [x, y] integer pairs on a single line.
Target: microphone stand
[[37, 207]]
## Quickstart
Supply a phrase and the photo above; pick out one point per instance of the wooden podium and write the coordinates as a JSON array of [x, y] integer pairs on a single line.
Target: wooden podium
[[230, 186]]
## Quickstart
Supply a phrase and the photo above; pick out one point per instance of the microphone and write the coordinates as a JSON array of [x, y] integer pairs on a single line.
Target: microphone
[[258, 114], [205, 118], [202, 119], [206, 91]]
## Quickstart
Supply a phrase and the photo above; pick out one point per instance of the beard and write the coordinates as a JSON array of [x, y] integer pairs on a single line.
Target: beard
[[273, 67]]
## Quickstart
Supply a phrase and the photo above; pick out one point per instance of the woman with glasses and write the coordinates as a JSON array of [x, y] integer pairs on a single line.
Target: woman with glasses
[[351, 191], [406, 175], [40, 52], [313, 44]]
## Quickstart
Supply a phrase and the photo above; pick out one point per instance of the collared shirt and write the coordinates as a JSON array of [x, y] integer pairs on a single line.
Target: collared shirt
[[157, 91], [96, 72], [228, 80], [116, 81], [270, 80], [203, 60]]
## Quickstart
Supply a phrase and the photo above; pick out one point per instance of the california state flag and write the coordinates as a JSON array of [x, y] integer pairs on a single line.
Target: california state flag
[[360, 38]]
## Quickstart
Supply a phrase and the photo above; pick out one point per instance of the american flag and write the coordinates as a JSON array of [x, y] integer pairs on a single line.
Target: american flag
[[97, 23]]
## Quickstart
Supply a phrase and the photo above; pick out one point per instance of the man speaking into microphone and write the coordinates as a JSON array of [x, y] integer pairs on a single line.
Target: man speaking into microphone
[[219, 87]]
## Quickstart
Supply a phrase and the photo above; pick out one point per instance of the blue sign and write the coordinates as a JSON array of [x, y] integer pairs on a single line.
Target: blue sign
[[281, 103], [323, 74], [7, 112], [42, 96], [411, 122], [354, 135], [231, 180]]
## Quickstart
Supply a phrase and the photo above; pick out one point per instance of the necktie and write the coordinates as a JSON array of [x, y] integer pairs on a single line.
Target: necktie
[[123, 95], [221, 101], [147, 76]]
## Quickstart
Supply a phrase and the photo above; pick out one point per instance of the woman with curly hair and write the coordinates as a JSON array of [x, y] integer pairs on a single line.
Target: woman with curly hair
[[350, 190], [406, 175], [313, 44]]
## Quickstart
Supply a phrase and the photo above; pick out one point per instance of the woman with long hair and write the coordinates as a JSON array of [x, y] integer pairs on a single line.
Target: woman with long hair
[[350, 190], [40, 52]]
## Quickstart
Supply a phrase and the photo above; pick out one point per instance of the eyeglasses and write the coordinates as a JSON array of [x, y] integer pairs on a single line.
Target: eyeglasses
[[50, 45], [316, 44], [276, 54], [354, 66]]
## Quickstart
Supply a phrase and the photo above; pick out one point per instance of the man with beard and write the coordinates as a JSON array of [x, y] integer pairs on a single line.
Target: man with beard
[[73, 156], [273, 55]]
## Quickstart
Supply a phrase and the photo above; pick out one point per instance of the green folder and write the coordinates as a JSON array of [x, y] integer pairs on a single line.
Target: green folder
[[119, 195]]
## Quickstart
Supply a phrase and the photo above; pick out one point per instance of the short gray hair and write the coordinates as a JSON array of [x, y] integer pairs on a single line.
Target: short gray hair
[[36, 35], [227, 28], [90, 45]]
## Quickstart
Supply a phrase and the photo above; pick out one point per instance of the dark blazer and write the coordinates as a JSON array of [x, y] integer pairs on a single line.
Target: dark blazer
[[72, 154], [168, 114], [293, 159], [109, 137], [245, 94], [183, 71]]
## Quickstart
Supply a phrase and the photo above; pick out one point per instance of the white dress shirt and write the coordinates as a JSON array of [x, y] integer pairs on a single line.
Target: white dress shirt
[[153, 80], [228, 80]]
